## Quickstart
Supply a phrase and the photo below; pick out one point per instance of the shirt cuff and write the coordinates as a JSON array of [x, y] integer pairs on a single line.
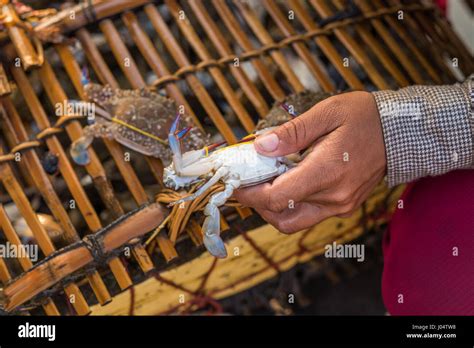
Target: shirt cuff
[[428, 130]]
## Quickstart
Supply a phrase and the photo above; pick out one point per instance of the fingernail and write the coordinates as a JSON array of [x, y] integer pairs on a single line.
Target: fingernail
[[268, 142]]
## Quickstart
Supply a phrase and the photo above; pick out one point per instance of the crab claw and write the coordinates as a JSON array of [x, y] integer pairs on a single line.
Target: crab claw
[[79, 152], [182, 133]]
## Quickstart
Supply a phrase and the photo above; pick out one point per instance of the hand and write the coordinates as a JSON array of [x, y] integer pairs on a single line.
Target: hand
[[345, 162]]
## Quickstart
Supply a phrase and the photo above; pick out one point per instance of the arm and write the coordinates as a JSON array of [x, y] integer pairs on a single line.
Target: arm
[[428, 130]]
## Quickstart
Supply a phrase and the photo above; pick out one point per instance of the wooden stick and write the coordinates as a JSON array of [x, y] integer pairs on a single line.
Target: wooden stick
[[68, 260]]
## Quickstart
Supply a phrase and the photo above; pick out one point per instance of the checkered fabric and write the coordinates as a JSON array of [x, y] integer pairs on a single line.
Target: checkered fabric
[[428, 130]]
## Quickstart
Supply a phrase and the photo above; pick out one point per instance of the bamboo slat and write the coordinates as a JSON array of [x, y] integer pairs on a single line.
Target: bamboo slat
[[181, 60], [326, 46], [392, 44], [380, 51], [5, 88], [396, 26], [219, 41], [244, 42], [354, 48], [303, 52], [266, 39], [215, 72]]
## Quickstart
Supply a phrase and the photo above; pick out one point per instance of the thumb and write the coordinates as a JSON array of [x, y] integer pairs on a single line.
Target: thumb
[[296, 134]]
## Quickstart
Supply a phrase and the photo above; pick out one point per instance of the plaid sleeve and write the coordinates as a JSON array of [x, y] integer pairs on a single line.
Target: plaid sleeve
[[428, 130]]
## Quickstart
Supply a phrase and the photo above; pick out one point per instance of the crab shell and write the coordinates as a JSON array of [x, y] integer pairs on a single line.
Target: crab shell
[[147, 111], [301, 102]]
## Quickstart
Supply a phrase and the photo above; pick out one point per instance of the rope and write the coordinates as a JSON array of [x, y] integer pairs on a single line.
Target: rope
[[40, 138]]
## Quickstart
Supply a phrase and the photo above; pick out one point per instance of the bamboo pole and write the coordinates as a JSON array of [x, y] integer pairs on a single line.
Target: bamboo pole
[[68, 260]]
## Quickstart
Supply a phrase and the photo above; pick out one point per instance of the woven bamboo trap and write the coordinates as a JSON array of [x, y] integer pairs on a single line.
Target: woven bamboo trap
[[227, 63]]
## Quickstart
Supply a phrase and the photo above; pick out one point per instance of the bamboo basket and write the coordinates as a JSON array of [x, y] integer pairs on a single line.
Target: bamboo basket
[[227, 62]]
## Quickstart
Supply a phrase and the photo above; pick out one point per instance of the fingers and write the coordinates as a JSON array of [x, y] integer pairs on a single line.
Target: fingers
[[300, 132], [302, 216], [309, 177]]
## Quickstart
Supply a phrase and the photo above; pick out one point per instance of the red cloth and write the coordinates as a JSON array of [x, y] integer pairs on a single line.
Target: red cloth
[[442, 4], [419, 248]]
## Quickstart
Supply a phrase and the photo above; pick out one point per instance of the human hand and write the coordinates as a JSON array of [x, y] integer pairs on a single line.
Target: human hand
[[345, 162]]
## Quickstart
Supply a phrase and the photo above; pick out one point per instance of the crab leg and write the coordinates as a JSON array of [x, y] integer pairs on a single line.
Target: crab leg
[[173, 140], [220, 173], [211, 227]]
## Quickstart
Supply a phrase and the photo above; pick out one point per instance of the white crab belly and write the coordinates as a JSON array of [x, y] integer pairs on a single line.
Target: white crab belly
[[249, 166]]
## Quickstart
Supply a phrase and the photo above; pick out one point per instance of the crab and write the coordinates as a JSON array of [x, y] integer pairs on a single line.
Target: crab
[[236, 166], [292, 106], [138, 119]]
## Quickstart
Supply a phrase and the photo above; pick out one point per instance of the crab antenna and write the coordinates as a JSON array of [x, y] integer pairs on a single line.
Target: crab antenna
[[173, 140], [287, 108], [85, 79]]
